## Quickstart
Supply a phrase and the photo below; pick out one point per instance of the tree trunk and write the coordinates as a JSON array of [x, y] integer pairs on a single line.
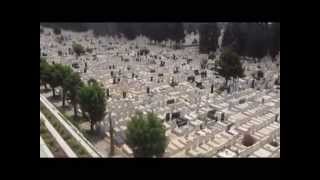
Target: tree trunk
[[91, 126], [53, 92], [63, 97], [75, 110], [45, 86], [111, 136], [83, 113]]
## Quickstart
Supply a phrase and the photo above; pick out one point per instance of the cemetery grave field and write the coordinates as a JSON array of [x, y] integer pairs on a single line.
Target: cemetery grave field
[[201, 118]]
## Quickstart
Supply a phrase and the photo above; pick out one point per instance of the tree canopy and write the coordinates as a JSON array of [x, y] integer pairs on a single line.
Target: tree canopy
[[146, 136], [44, 71], [78, 49], [56, 30], [208, 34], [73, 83], [229, 65], [252, 39], [92, 101]]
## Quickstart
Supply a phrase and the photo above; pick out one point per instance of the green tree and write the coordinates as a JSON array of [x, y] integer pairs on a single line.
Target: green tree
[[208, 36], [73, 84], [175, 33], [248, 140], [64, 72], [56, 30], [146, 136], [78, 49], [92, 101], [229, 65], [249, 39], [53, 78], [275, 39], [111, 135], [260, 75], [44, 72]]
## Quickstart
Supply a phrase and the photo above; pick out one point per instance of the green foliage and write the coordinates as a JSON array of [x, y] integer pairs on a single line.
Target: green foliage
[[64, 72], [143, 51], [89, 50], [73, 83], [92, 101], [274, 144], [44, 71], [248, 140], [260, 74], [146, 136], [78, 49], [208, 34], [56, 31], [253, 39], [211, 56], [71, 141], [53, 77], [230, 65], [275, 38]]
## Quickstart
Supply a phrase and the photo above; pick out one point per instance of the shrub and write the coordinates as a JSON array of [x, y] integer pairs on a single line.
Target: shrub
[[241, 101], [248, 140], [274, 143], [57, 31]]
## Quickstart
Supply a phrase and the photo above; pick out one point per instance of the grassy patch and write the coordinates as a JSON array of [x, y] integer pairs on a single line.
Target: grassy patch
[[71, 141], [52, 144], [76, 122]]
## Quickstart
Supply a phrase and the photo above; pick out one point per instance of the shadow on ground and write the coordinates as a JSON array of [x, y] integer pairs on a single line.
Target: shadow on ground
[[94, 136]]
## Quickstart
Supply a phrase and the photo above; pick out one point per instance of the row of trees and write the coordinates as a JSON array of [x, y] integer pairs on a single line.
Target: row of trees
[[208, 36], [246, 39], [229, 65], [145, 134], [89, 96], [154, 31], [253, 39]]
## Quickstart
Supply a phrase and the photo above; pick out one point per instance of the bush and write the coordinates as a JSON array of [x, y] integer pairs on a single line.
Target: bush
[[260, 74], [146, 136], [241, 101], [78, 49], [57, 31], [277, 82], [274, 143], [211, 56], [194, 41], [89, 50], [221, 88], [143, 52], [248, 140]]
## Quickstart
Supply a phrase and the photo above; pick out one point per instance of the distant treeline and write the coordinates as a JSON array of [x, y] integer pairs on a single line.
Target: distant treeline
[[154, 31], [247, 39], [253, 39]]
